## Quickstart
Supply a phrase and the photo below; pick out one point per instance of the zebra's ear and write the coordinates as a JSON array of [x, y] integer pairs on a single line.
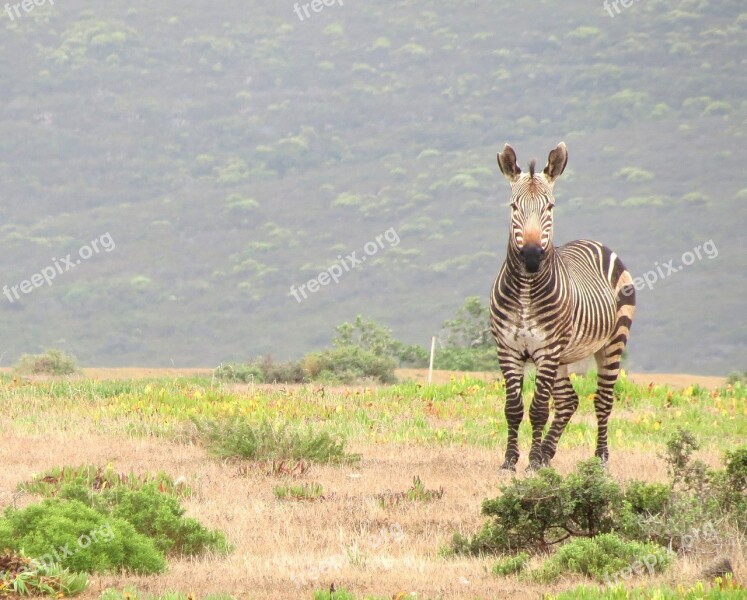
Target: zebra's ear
[[507, 163], [556, 162]]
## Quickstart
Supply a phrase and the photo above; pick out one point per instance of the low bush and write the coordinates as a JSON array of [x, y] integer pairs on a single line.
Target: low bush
[[466, 359], [342, 364], [614, 531], [51, 362], [241, 373], [79, 538], [161, 518], [602, 558], [535, 513], [682, 512], [648, 498], [265, 370], [238, 438], [152, 513], [287, 372], [349, 364]]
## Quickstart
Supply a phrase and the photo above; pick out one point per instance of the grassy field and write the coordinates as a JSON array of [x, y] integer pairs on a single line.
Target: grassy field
[[360, 532]]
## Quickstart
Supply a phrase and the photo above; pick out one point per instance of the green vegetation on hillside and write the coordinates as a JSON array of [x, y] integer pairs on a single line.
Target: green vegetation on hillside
[[236, 153]]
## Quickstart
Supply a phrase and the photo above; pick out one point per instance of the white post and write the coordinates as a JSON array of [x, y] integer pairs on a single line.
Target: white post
[[433, 351]]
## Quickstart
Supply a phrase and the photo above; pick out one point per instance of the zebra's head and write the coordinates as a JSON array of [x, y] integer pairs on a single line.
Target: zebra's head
[[532, 202]]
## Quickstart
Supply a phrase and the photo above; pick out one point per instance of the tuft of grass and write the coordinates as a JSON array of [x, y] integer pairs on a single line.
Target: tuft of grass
[[511, 565], [19, 575], [277, 468], [51, 362], [342, 594], [96, 478], [333, 595], [417, 493], [131, 593], [304, 491], [240, 439], [720, 589]]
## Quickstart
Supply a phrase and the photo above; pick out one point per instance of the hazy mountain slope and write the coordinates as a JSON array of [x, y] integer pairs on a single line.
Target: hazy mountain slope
[[234, 151]]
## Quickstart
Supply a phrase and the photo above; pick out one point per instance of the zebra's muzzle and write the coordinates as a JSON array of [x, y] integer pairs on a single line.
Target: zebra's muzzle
[[532, 255]]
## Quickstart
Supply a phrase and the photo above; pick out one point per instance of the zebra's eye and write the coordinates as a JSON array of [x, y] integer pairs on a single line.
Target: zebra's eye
[[514, 206]]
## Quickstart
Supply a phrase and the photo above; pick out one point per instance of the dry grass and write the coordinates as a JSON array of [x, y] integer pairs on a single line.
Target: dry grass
[[285, 550]]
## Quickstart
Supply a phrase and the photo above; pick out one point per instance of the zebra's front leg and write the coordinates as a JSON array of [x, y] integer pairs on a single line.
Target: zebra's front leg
[[513, 373], [539, 411], [566, 403]]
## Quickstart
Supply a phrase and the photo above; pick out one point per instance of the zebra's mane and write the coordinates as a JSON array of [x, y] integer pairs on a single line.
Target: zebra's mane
[[532, 166]]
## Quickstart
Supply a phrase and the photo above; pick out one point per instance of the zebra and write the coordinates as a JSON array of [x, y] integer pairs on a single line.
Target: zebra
[[554, 306]]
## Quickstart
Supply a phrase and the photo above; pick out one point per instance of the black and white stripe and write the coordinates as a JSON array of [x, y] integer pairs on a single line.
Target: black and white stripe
[[555, 306]]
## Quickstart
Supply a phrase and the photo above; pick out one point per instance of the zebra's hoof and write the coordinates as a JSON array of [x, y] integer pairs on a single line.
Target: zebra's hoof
[[534, 467], [604, 459], [509, 466]]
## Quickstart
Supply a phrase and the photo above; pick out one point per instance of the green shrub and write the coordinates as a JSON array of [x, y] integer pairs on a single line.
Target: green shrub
[[41, 530], [648, 498], [466, 359], [603, 558], [161, 518], [731, 486], [349, 364], [695, 498], [238, 438], [264, 371], [51, 362], [679, 450], [544, 509], [369, 336], [243, 373], [511, 565], [288, 372], [735, 463], [594, 498], [737, 378]]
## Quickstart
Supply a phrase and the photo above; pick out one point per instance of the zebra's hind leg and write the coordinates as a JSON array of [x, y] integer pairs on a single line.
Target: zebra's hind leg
[[608, 368], [566, 403], [513, 373], [609, 358]]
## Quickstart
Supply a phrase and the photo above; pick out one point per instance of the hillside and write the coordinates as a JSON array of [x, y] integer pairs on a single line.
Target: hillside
[[230, 153]]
